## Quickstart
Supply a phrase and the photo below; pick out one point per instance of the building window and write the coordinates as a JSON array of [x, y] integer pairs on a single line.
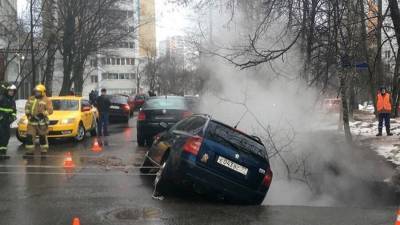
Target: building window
[[103, 61], [133, 76], [112, 61], [122, 61], [387, 54], [94, 79], [131, 45], [118, 61], [108, 61], [104, 76]]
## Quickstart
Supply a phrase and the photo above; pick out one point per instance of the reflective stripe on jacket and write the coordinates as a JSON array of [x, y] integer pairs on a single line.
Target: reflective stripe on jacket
[[35, 106], [384, 103]]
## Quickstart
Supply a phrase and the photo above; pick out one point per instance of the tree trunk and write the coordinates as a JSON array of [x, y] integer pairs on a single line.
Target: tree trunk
[[78, 77], [49, 33], [395, 16], [345, 107], [32, 47], [68, 59]]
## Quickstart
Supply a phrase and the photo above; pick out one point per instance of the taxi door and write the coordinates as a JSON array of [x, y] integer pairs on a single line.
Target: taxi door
[[86, 113]]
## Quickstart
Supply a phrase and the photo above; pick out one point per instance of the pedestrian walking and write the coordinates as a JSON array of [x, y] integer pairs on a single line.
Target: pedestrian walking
[[103, 104], [92, 97], [384, 108], [37, 110], [8, 114]]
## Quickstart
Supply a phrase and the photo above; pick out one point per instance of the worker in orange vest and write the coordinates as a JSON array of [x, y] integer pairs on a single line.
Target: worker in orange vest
[[384, 108]]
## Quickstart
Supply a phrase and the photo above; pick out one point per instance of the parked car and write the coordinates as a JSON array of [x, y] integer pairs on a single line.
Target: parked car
[[119, 109], [140, 99], [72, 117], [212, 157], [158, 114], [193, 102]]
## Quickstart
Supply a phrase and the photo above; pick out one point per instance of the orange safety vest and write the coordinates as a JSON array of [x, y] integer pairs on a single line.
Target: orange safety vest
[[383, 103]]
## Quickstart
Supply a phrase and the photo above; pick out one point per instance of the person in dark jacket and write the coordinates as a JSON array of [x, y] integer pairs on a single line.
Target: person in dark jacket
[[92, 97], [103, 104], [8, 114]]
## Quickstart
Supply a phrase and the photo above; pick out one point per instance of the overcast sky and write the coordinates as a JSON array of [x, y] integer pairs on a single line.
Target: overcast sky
[[170, 19]]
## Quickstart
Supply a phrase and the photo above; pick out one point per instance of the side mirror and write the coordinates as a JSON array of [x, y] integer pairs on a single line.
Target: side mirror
[[86, 108], [164, 125]]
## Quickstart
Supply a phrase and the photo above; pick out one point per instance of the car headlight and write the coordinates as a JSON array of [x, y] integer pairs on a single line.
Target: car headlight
[[67, 121], [23, 121]]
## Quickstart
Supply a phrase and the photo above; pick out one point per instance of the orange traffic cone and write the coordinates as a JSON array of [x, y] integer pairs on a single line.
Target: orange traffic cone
[[397, 218], [76, 221], [96, 146], [68, 163]]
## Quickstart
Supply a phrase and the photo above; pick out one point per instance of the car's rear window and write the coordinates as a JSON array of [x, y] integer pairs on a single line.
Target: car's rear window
[[165, 103], [232, 138], [119, 99], [65, 105]]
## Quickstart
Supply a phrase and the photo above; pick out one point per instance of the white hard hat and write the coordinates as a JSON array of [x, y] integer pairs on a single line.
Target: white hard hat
[[12, 87]]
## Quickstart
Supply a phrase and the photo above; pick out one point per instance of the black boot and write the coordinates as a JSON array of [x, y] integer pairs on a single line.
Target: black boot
[[379, 132], [388, 132]]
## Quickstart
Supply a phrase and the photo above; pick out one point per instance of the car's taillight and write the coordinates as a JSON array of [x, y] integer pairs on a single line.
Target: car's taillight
[[157, 137], [126, 107], [141, 116], [267, 178], [193, 145], [186, 114]]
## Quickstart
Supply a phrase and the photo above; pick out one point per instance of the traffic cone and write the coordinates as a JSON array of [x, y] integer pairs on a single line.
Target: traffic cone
[[68, 163], [397, 218], [96, 146], [76, 221]]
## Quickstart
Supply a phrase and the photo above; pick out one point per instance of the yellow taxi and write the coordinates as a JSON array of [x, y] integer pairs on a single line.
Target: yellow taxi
[[73, 117]]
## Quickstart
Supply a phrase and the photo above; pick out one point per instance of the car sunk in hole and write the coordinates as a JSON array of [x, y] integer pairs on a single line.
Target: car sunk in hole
[[157, 115], [212, 158]]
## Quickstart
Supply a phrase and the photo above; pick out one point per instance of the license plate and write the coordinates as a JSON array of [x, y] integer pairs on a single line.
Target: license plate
[[231, 165], [50, 128], [164, 117], [114, 107]]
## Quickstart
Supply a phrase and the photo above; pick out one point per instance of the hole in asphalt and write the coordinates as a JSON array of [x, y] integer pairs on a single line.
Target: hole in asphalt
[[146, 213]]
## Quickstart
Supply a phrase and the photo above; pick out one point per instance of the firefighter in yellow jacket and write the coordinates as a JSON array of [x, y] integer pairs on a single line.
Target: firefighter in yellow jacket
[[37, 110]]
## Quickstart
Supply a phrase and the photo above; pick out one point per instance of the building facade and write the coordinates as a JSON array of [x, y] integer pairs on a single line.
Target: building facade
[[9, 62]]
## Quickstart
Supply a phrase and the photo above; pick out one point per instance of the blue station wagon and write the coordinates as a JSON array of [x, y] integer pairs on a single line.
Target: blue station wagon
[[210, 156]]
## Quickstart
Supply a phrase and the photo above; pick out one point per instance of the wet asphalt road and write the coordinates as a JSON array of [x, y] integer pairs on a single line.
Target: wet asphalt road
[[106, 188]]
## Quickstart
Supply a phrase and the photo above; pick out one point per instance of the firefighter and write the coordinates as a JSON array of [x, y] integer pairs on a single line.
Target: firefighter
[[384, 108], [8, 114], [37, 110]]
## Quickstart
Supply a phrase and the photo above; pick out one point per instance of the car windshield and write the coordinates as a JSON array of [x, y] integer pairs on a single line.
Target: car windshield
[[233, 138], [165, 103], [65, 105]]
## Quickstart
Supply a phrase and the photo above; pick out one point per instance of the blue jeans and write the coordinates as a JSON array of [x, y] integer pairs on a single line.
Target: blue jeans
[[102, 125]]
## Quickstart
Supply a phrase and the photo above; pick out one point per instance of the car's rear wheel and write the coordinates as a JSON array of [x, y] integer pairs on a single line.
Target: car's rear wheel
[[162, 180], [81, 133], [141, 140]]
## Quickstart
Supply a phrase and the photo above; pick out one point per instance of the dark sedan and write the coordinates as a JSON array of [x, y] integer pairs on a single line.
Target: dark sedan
[[212, 158], [158, 114], [119, 109]]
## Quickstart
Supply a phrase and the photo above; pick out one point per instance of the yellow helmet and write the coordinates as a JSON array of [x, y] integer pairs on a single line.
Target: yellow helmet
[[40, 88]]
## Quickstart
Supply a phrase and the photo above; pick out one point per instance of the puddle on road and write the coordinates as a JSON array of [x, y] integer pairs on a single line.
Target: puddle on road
[[134, 214]]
